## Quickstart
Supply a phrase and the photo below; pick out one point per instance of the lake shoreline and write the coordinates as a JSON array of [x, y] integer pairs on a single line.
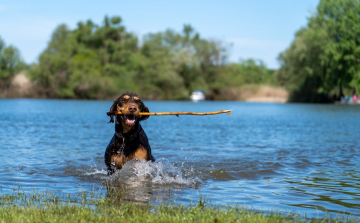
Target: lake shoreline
[[22, 87]]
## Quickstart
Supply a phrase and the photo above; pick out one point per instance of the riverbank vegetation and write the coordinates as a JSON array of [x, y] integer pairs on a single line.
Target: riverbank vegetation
[[324, 57], [96, 61], [84, 207]]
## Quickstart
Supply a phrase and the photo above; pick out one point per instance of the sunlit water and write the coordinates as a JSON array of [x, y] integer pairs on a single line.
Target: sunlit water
[[287, 157]]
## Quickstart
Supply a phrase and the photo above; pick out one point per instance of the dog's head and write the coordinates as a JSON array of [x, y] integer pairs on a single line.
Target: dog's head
[[130, 105]]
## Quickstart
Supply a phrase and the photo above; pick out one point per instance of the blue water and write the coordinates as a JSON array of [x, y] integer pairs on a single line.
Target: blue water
[[289, 157]]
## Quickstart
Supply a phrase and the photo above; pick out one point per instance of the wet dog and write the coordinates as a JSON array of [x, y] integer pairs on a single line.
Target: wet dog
[[129, 141]]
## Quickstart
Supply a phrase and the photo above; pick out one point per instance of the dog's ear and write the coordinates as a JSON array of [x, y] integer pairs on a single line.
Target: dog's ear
[[144, 109], [113, 108]]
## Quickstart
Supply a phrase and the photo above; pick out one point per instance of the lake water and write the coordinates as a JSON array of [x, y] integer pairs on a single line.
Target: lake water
[[288, 157]]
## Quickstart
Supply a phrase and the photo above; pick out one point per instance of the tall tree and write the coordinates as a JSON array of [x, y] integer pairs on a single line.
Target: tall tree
[[88, 62], [325, 54], [194, 62]]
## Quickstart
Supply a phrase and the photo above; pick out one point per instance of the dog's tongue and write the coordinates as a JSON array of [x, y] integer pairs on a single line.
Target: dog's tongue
[[130, 119]]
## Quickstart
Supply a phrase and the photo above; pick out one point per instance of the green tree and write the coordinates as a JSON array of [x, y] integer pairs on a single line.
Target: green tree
[[190, 61], [325, 54], [10, 63], [101, 61], [341, 20], [89, 62]]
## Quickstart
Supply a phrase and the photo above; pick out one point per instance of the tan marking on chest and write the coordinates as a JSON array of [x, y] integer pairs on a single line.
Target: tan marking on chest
[[118, 161], [141, 153]]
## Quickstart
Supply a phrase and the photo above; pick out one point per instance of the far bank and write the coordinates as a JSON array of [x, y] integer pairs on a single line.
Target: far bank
[[22, 87]]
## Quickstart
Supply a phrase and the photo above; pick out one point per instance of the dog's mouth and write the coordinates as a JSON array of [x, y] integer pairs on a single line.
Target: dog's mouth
[[129, 119]]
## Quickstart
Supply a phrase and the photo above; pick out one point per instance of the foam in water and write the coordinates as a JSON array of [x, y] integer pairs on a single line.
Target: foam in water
[[160, 172], [96, 171]]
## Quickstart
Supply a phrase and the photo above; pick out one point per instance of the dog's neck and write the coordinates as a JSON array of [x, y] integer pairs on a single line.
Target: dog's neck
[[129, 137], [127, 128]]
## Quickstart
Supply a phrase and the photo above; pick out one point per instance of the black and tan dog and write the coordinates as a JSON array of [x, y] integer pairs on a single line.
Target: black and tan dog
[[129, 141]]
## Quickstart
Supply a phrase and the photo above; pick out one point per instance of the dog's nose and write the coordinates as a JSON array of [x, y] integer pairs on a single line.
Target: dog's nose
[[132, 108]]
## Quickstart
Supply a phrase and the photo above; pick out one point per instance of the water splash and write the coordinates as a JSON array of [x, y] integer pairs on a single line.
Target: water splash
[[96, 172], [160, 172]]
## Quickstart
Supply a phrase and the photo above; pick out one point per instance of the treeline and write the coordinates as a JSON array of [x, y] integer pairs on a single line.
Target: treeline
[[95, 61], [100, 61]]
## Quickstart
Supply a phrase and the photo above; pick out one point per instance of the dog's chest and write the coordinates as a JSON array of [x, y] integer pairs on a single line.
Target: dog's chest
[[118, 160], [125, 151]]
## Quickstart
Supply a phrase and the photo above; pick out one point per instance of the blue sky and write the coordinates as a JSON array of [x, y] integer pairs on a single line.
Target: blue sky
[[259, 29]]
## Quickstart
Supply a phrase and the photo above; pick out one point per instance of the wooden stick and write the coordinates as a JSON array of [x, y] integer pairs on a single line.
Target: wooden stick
[[174, 113]]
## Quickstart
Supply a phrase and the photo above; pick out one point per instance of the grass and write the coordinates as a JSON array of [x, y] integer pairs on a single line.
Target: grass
[[84, 207]]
